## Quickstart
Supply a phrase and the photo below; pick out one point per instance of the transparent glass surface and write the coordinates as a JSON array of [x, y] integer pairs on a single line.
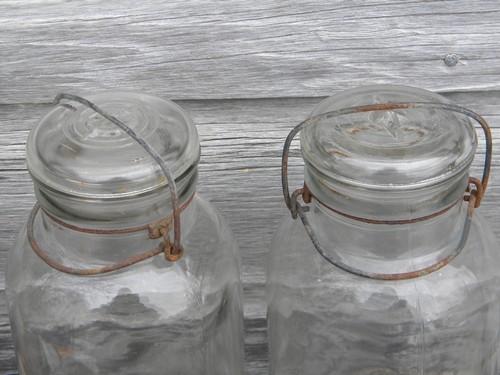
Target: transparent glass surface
[[388, 165], [154, 317], [389, 149], [77, 151], [326, 321]]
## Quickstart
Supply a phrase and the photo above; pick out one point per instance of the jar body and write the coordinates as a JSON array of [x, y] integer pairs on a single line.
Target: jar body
[[323, 320], [154, 317]]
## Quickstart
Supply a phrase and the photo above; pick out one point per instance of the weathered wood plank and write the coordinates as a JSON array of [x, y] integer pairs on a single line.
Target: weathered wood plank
[[7, 358], [239, 49], [239, 172]]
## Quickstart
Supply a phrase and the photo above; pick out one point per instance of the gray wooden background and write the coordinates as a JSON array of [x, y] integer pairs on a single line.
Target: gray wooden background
[[247, 71]]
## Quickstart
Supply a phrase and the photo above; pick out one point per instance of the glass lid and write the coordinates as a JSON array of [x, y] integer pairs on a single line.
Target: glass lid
[[76, 151], [390, 149]]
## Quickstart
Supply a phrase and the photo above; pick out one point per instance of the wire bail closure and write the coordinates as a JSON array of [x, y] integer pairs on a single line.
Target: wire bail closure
[[473, 195], [172, 250]]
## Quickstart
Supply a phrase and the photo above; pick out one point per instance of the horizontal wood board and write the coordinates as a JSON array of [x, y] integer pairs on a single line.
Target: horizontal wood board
[[192, 49]]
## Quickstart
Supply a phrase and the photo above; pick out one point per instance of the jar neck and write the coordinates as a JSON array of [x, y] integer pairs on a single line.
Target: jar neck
[[84, 249], [384, 248], [81, 249], [392, 203], [131, 211]]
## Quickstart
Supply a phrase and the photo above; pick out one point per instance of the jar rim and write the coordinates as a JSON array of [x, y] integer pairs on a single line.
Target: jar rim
[[396, 150], [76, 152]]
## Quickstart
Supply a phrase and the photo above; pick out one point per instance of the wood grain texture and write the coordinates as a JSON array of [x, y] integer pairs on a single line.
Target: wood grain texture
[[247, 72], [241, 49], [239, 172]]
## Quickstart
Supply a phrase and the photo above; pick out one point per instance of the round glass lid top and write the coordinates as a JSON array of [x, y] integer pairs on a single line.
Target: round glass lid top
[[77, 151], [406, 148]]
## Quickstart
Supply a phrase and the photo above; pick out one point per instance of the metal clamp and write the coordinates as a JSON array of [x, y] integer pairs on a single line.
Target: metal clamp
[[473, 196], [172, 251]]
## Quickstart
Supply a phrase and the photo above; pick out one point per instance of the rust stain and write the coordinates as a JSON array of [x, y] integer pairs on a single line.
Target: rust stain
[[338, 153], [414, 274], [64, 351], [384, 107], [306, 194], [358, 129], [171, 253]]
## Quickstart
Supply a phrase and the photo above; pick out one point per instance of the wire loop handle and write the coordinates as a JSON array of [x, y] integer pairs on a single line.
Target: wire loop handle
[[473, 196], [173, 251]]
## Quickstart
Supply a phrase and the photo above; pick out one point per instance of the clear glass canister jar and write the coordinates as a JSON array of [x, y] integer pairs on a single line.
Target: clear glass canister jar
[[385, 267], [102, 280]]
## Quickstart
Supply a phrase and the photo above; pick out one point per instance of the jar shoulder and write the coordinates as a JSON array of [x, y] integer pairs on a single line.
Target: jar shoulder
[[209, 266], [291, 248], [296, 272], [211, 227]]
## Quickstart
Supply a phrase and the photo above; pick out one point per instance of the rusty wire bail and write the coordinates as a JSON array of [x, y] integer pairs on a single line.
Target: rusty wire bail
[[172, 251], [472, 196]]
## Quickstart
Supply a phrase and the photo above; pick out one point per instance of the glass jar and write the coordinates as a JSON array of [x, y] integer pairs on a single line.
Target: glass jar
[[89, 291], [388, 271]]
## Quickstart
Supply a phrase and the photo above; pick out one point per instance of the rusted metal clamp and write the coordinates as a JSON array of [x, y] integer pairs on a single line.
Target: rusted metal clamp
[[295, 206], [477, 192], [172, 250], [473, 195]]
